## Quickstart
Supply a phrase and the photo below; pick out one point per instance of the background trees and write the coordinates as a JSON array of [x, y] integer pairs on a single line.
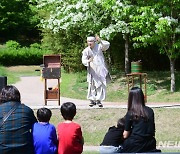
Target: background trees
[[17, 20], [137, 30], [158, 24]]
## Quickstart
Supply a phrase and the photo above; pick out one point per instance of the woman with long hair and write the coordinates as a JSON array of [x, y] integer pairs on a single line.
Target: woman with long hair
[[139, 132]]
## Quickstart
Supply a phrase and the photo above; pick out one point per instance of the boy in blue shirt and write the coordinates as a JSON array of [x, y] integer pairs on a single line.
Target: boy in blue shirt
[[44, 133]]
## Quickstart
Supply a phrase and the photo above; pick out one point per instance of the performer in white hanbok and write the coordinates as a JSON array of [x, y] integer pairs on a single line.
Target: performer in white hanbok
[[98, 75]]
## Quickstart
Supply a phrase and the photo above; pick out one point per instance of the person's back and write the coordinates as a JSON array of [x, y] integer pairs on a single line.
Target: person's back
[[69, 133], [15, 133], [70, 137], [139, 131], [113, 140], [142, 134], [44, 133], [142, 127]]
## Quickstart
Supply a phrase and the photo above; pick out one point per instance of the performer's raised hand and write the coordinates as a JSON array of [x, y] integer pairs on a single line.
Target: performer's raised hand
[[90, 59], [97, 38]]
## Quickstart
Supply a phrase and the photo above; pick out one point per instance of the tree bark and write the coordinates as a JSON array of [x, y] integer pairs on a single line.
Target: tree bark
[[172, 69], [127, 68]]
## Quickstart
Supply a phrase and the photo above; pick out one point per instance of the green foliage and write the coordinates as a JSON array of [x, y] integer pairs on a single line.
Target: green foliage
[[69, 48], [151, 88], [18, 19], [72, 59], [12, 45], [155, 25], [35, 46], [13, 54], [67, 25], [166, 36], [158, 24]]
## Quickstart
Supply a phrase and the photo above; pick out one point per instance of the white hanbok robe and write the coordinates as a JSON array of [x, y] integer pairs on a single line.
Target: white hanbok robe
[[98, 74]]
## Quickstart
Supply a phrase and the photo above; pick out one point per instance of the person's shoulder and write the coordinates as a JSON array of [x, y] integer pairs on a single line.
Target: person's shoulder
[[85, 50], [129, 113], [149, 109], [25, 107], [36, 124], [51, 125], [114, 128], [60, 124], [75, 124]]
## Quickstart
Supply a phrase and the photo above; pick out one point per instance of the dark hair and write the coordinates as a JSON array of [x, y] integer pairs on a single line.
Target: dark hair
[[68, 110], [121, 122], [44, 114], [136, 104], [10, 93]]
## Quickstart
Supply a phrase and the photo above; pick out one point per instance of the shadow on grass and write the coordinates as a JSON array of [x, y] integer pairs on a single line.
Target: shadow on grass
[[162, 80]]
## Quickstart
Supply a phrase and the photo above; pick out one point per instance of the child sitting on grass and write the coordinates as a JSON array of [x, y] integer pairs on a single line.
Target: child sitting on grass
[[44, 133], [112, 142], [69, 133]]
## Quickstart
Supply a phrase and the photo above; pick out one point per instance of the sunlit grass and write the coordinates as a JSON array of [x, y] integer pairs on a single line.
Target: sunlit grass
[[95, 123]]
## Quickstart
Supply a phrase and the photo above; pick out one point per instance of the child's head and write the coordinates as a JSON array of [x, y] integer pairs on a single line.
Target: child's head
[[44, 114], [121, 123], [68, 110]]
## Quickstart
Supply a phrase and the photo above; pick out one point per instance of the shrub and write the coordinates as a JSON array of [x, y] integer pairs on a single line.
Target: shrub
[[35, 45], [13, 54], [12, 44]]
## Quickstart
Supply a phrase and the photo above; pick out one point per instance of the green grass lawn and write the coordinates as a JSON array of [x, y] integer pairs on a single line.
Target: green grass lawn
[[95, 123], [15, 72], [74, 85]]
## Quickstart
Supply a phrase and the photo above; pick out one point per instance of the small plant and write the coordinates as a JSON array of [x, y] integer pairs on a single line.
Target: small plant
[[35, 45], [151, 88], [12, 44]]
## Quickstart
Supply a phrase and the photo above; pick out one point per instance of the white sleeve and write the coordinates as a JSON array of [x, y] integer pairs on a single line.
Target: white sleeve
[[104, 45], [84, 58]]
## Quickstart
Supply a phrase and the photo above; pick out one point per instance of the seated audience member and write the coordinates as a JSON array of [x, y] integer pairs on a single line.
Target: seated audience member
[[113, 140], [16, 122], [139, 131], [44, 133], [69, 133]]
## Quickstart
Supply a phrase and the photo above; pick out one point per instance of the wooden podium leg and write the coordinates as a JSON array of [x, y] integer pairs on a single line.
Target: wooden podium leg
[[45, 88], [59, 92]]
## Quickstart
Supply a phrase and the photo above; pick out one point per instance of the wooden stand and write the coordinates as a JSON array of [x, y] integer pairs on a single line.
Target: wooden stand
[[52, 71], [52, 94], [131, 81]]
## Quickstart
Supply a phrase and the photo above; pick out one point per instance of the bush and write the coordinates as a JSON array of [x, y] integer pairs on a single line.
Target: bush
[[14, 55], [12, 45], [35, 45]]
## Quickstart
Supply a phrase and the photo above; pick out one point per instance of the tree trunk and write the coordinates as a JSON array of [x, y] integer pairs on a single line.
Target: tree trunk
[[127, 70], [172, 68]]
